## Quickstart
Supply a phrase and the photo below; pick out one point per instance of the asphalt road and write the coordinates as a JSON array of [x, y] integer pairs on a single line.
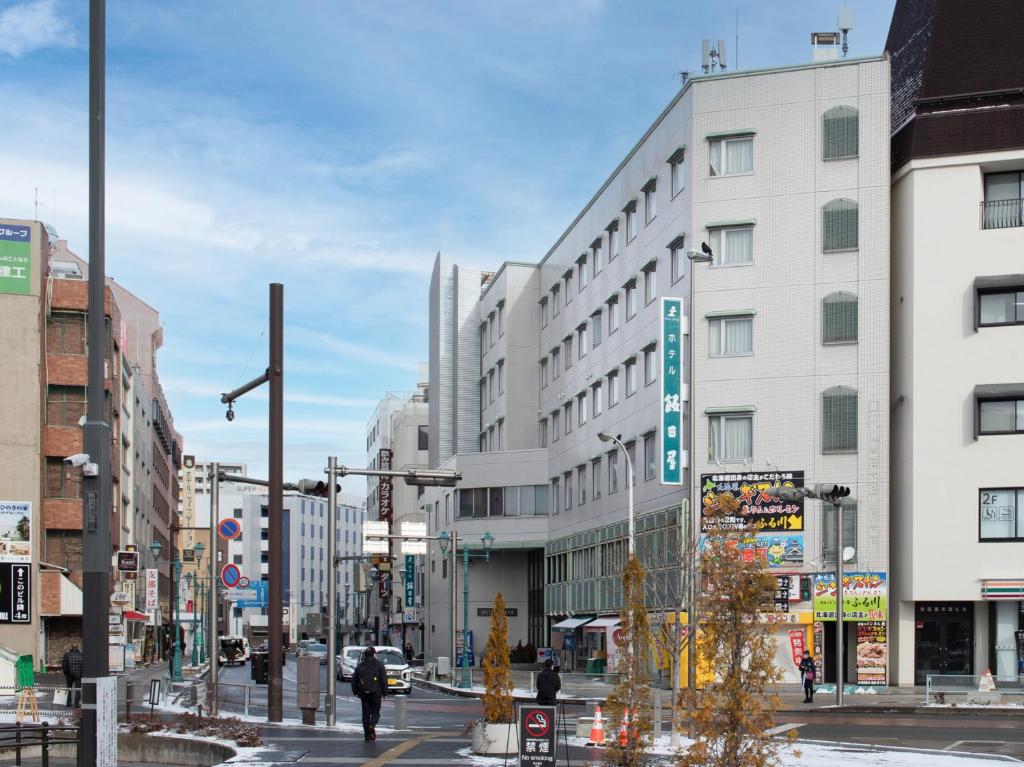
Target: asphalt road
[[426, 728]]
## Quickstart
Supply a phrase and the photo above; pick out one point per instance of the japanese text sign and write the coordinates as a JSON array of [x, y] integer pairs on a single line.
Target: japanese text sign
[[673, 393], [757, 506], [15, 259], [536, 735], [864, 596]]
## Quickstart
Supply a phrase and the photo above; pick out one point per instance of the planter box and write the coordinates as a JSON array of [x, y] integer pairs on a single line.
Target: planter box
[[495, 738]]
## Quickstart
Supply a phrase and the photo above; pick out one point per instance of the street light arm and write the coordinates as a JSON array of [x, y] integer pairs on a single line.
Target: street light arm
[[231, 396]]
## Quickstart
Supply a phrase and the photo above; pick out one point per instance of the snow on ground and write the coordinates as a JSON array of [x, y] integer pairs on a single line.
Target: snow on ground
[[485, 761], [171, 708], [242, 753], [815, 755]]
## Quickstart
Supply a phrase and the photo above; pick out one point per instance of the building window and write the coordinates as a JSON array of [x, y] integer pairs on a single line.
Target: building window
[[650, 200], [501, 434], [555, 427], [567, 481], [613, 313], [1001, 308], [483, 339], [62, 481], [731, 336], [581, 341], [483, 442], [650, 282], [543, 428], [581, 269], [491, 327], [828, 532], [501, 318], [581, 484], [595, 251], [613, 388], [630, 288], [543, 313], [650, 456], [731, 438], [567, 415], [567, 285], [631, 463], [613, 472], [839, 225], [543, 373], [733, 246], [556, 354], [501, 377], [65, 405], [614, 246], [581, 408], [630, 211], [422, 440], [677, 164], [567, 346], [1000, 516], [839, 318], [483, 394], [490, 385], [677, 258], [630, 376], [1004, 200], [595, 323], [595, 478], [555, 304], [65, 333], [1001, 416], [840, 133], [839, 420], [595, 399], [650, 365], [732, 156], [556, 496]]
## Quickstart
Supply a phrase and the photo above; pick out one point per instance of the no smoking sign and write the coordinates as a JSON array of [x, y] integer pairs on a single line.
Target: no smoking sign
[[536, 735]]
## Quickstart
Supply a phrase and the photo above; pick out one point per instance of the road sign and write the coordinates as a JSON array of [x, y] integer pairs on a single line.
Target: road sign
[[375, 537], [536, 735], [127, 561], [238, 595], [244, 583], [229, 529], [120, 598], [230, 575]]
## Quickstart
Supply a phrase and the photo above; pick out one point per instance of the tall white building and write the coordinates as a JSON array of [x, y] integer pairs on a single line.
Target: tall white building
[[958, 325], [785, 174]]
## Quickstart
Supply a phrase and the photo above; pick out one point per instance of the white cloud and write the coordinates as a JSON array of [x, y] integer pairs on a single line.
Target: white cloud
[[196, 387], [31, 26], [353, 351]]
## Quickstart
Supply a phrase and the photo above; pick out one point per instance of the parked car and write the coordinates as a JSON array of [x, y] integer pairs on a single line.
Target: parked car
[[348, 660], [313, 648]]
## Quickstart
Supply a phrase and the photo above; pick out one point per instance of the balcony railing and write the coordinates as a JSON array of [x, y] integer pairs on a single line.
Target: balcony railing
[[1002, 214]]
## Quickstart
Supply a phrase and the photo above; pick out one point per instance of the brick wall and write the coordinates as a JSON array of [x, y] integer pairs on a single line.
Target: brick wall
[[62, 440], [61, 633], [62, 513], [49, 592]]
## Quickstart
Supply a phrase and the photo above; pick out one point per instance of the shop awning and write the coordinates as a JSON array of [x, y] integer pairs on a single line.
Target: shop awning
[[133, 615], [571, 624], [600, 624]]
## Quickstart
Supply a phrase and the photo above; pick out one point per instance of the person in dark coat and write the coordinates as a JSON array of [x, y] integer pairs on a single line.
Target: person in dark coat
[[807, 673], [409, 653], [369, 684], [548, 684], [71, 665]]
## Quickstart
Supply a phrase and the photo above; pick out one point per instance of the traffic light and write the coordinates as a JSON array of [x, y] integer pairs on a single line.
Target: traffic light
[[314, 487], [831, 493]]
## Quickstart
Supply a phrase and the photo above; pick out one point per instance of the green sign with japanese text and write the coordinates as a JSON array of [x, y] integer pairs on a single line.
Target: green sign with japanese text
[[865, 596], [15, 259], [673, 327]]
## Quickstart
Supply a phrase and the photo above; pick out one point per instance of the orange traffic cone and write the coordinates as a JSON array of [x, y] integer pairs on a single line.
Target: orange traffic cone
[[624, 730], [597, 728]]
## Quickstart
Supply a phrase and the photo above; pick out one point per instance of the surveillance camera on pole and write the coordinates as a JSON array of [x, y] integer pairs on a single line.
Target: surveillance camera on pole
[[83, 460]]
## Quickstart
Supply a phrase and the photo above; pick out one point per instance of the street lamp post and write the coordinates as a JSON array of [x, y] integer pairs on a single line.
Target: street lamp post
[[606, 436], [193, 590], [154, 548], [176, 648], [488, 541], [198, 634]]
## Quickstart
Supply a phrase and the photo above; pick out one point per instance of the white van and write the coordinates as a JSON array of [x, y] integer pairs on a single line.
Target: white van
[[237, 647]]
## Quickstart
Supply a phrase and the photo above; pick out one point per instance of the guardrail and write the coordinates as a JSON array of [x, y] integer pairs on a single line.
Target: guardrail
[[939, 686], [36, 736]]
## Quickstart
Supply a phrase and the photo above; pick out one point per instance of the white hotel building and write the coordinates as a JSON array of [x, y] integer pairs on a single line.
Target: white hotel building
[[785, 173]]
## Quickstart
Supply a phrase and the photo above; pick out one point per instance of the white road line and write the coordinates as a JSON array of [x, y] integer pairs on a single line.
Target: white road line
[[785, 728]]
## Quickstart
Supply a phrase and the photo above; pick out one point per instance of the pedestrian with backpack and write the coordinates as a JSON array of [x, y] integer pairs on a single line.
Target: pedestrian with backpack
[[369, 683], [71, 665]]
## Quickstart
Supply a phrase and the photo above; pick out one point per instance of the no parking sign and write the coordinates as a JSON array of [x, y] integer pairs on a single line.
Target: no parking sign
[[536, 735], [230, 575]]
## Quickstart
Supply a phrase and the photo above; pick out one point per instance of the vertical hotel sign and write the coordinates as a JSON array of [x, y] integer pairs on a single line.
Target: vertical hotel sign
[[15, 259], [187, 502], [673, 391], [385, 513]]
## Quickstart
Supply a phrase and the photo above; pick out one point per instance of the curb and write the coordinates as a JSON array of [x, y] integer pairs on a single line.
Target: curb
[[1004, 713], [903, 749], [521, 698]]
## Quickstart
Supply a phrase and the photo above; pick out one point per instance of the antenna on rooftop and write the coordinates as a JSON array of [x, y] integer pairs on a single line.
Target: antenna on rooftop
[[712, 58]]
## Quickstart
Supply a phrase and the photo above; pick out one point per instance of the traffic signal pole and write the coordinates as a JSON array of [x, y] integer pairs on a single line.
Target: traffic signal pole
[[275, 597], [213, 635], [332, 589]]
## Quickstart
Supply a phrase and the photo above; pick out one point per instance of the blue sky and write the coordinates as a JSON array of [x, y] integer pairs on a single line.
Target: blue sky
[[336, 147]]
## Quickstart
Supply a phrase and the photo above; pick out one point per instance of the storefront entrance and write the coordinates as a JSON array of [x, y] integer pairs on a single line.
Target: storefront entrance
[[943, 639]]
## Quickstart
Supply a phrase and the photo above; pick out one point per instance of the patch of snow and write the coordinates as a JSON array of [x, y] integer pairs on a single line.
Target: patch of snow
[[483, 761]]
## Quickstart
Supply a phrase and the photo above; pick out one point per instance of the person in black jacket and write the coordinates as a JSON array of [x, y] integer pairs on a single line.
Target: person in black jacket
[[548, 685], [369, 683], [807, 673]]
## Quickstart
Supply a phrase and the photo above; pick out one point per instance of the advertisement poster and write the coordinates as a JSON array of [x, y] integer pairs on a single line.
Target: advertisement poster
[[152, 588], [15, 530], [797, 644], [864, 596], [615, 638], [871, 652], [15, 593], [15, 259], [757, 506], [775, 551], [819, 649], [672, 395]]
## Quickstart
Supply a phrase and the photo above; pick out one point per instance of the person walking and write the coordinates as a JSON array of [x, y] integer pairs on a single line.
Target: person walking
[[71, 665], [369, 683], [548, 684], [807, 673], [409, 653]]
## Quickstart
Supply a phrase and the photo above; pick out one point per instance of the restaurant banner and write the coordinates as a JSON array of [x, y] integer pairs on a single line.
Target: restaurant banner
[[797, 644], [872, 652], [757, 505], [865, 596]]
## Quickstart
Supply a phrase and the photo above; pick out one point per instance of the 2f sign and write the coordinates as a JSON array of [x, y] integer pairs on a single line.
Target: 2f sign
[[673, 391]]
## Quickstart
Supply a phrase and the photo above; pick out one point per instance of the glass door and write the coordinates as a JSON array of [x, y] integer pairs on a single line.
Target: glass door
[[944, 639]]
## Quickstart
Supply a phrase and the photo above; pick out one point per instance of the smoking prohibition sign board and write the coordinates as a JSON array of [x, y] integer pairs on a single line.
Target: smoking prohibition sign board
[[536, 735]]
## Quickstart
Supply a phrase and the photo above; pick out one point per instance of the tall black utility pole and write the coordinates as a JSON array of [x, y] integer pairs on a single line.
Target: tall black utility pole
[[96, 489], [275, 599], [274, 375]]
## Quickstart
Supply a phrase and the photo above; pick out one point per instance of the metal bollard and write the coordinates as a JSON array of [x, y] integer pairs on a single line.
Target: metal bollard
[[657, 712], [17, 742], [533, 681], [129, 691], [46, 747], [400, 715], [245, 698]]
